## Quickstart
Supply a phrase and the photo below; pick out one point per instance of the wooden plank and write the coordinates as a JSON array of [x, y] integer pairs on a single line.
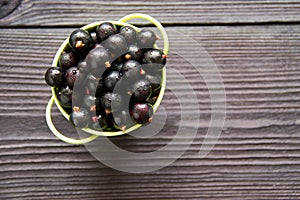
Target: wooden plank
[[77, 13], [256, 157]]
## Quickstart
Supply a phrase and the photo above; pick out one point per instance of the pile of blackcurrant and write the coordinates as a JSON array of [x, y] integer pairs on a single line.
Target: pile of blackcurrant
[[108, 78]]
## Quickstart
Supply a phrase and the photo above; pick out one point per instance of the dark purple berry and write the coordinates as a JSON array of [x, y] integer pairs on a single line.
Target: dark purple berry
[[132, 72], [71, 75], [65, 96], [105, 30], [111, 79], [153, 60], [141, 90], [79, 117], [142, 113], [130, 65], [94, 36], [99, 123], [155, 81], [111, 102], [67, 60], [81, 42], [99, 108], [54, 76], [91, 84], [89, 103], [122, 120], [116, 44], [129, 34], [97, 61], [81, 79], [155, 56], [77, 98], [146, 39], [134, 53], [117, 66], [82, 66]]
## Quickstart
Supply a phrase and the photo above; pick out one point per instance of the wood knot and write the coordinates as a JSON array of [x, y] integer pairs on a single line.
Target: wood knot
[[8, 6]]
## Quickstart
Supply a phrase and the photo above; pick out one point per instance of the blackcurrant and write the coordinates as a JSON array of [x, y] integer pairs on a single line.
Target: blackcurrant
[[153, 60], [91, 84], [142, 113], [155, 81], [122, 120], [111, 102], [154, 56], [54, 76], [89, 103], [116, 44], [129, 34], [105, 30], [99, 123], [82, 66], [94, 36], [117, 66], [98, 60], [130, 65], [146, 39], [81, 79], [131, 71], [111, 79], [77, 98], [67, 60], [81, 42], [79, 117], [134, 53], [71, 75], [141, 90], [65, 96]]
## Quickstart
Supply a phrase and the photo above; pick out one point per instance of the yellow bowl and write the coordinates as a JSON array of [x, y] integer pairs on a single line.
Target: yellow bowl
[[65, 45]]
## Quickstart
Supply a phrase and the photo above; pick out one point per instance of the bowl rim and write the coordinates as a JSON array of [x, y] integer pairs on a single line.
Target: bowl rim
[[55, 61]]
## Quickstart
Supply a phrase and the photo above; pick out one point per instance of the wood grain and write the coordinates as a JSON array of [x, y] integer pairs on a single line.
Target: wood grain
[[7, 7], [77, 13], [256, 157]]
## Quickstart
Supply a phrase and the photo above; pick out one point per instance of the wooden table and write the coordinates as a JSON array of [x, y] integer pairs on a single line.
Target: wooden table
[[256, 47]]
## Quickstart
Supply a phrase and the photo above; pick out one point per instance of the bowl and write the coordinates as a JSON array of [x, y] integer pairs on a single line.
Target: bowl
[[95, 133]]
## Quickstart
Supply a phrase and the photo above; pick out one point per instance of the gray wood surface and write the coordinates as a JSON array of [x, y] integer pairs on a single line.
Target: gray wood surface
[[73, 13], [256, 157]]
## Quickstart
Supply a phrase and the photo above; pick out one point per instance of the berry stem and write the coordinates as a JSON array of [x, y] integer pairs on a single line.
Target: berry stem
[[128, 56], [93, 108], [79, 44], [123, 128], [142, 72], [76, 109], [107, 64]]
